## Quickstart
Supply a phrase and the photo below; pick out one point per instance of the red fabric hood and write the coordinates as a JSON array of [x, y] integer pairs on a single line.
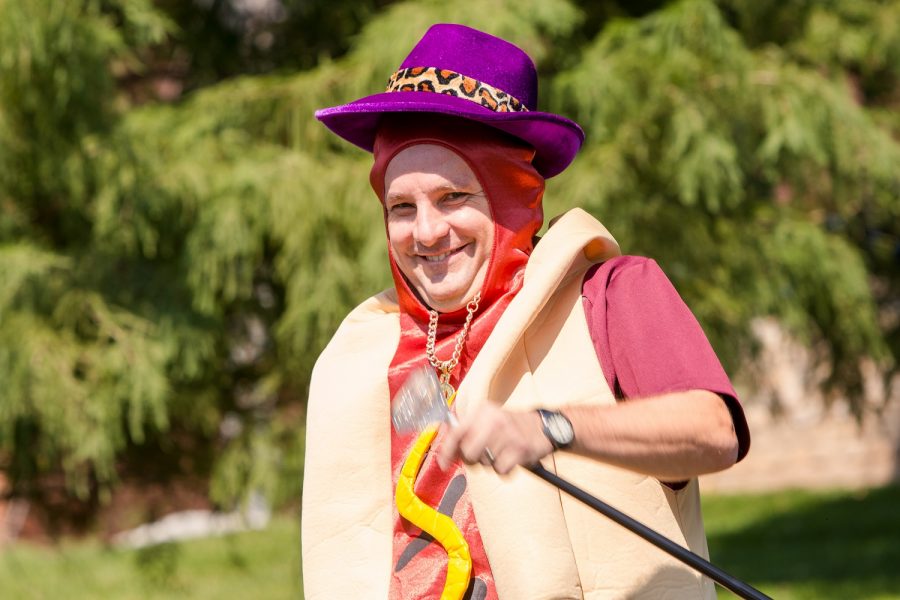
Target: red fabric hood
[[514, 190], [513, 187]]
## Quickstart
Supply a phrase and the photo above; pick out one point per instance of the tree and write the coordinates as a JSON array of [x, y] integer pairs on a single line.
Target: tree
[[171, 269], [754, 179]]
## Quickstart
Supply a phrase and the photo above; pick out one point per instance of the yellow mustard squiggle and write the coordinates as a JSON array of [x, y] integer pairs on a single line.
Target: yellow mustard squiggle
[[439, 526]]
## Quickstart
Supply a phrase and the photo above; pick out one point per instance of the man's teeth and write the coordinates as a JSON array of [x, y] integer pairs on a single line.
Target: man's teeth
[[436, 258]]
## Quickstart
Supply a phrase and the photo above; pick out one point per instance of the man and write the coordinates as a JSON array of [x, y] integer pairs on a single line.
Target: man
[[562, 352]]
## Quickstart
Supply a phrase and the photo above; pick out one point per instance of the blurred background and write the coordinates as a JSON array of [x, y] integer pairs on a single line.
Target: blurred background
[[179, 238]]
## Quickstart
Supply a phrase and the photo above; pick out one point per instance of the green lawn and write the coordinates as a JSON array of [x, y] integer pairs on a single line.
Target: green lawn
[[791, 545], [805, 545], [260, 564]]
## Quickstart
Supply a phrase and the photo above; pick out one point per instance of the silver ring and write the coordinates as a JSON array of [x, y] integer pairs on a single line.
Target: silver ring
[[489, 455]]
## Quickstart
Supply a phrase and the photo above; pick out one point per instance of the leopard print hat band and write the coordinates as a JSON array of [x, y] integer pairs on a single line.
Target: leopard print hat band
[[451, 83]]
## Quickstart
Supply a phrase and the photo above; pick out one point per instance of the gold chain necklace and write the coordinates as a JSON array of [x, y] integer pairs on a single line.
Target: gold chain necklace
[[445, 367]]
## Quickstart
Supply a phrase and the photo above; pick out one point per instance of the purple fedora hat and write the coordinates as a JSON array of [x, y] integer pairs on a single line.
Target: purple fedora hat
[[459, 71]]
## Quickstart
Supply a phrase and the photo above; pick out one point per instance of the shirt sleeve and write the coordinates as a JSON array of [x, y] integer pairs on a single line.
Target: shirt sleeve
[[648, 341]]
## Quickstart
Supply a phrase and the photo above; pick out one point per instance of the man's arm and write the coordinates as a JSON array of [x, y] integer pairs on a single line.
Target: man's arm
[[672, 437], [649, 345]]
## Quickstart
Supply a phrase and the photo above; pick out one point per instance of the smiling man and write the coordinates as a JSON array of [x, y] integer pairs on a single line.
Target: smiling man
[[562, 351], [439, 225]]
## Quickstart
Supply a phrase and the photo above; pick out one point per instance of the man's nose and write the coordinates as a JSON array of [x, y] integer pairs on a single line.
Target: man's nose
[[431, 224]]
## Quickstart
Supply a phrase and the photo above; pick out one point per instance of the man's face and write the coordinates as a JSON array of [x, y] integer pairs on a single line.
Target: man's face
[[439, 225]]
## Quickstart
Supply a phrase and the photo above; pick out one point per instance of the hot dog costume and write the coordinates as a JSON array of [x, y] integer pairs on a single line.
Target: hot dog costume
[[380, 518]]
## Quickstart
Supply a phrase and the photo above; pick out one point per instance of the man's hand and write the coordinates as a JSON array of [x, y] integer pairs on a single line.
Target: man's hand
[[511, 437]]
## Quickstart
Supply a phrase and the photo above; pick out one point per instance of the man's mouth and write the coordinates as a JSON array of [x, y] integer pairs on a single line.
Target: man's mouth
[[435, 258]]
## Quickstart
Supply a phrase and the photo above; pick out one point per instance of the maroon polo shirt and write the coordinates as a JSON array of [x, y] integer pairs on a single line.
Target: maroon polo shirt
[[648, 341]]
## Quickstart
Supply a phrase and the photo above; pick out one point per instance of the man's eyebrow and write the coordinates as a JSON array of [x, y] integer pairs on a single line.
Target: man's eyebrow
[[443, 188], [470, 187]]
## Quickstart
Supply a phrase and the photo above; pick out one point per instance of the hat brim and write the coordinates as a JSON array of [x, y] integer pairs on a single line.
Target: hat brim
[[555, 139]]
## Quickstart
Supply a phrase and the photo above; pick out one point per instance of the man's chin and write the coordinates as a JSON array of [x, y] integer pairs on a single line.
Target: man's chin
[[444, 302]]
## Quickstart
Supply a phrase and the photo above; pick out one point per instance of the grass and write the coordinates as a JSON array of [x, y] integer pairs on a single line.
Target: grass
[[791, 545], [258, 564], [804, 545]]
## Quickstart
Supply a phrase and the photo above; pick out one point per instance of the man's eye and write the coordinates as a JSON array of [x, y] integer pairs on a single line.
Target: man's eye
[[456, 196], [401, 207]]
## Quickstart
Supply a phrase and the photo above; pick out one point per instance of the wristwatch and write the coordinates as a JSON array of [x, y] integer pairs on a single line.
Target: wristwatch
[[557, 427]]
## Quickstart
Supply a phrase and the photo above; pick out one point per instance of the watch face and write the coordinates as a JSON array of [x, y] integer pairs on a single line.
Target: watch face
[[558, 428]]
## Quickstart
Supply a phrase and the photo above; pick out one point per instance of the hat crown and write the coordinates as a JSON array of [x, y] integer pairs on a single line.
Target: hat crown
[[480, 56]]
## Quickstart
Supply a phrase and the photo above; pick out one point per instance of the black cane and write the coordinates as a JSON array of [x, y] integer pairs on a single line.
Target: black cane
[[689, 558]]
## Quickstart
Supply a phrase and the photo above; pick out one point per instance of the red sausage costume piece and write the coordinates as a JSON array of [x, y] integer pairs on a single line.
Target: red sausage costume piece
[[514, 191]]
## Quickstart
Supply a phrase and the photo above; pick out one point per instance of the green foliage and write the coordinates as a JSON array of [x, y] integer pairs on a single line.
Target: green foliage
[[173, 270], [180, 263], [839, 35], [57, 94], [736, 169]]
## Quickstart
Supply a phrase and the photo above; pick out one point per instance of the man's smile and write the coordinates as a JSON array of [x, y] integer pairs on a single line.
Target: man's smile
[[437, 258]]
